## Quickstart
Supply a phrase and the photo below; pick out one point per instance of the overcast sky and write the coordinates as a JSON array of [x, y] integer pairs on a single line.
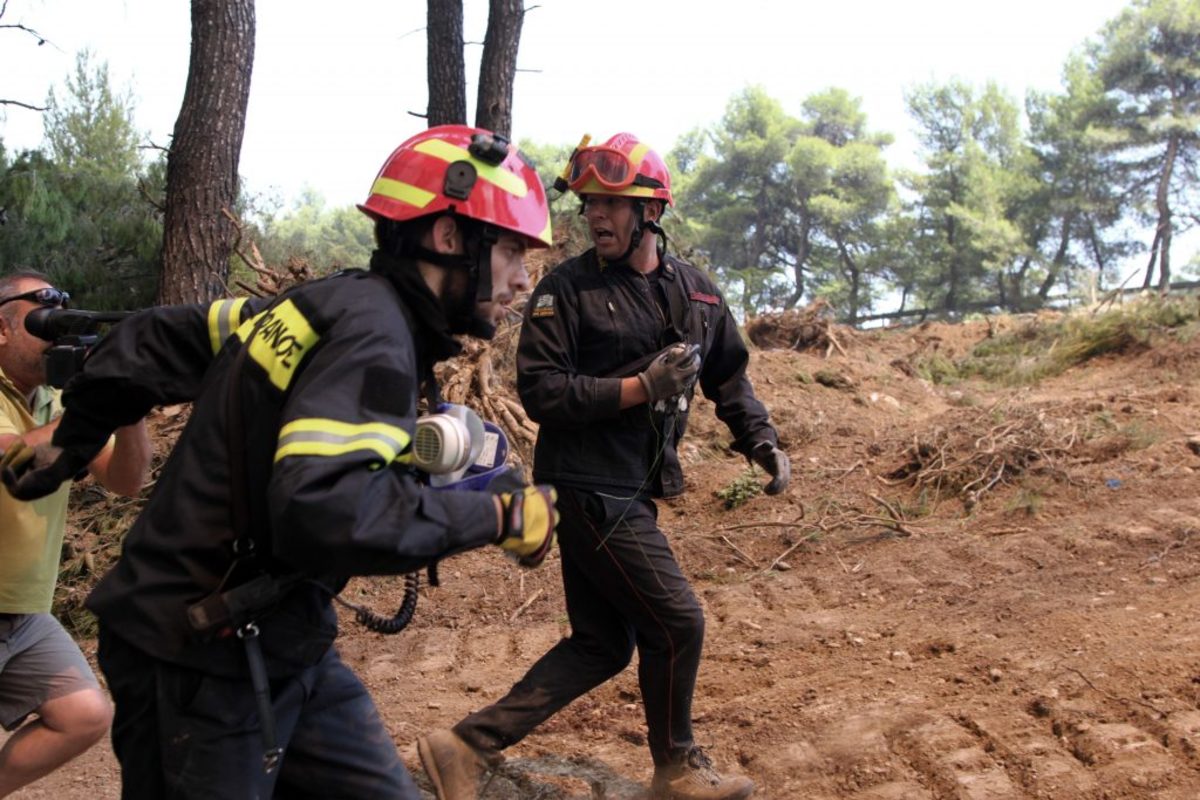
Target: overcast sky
[[333, 82]]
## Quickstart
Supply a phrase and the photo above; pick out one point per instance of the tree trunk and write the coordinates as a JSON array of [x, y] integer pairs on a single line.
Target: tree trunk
[[202, 166], [951, 302], [1153, 259], [852, 272], [498, 67], [1060, 258], [1163, 205], [446, 72], [802, 246]]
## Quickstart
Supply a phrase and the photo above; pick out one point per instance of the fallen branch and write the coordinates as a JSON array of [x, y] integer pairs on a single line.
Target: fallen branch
[[791, 524], [791, 550], [521, 609], [738, 552]]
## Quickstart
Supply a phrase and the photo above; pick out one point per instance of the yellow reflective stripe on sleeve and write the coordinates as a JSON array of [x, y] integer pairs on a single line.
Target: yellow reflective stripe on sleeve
[[223, 317], [329, 437], [404, 192], [513, 184], [277, 340]]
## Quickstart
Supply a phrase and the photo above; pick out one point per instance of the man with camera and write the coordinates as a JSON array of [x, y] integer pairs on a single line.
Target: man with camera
[[49, 697]]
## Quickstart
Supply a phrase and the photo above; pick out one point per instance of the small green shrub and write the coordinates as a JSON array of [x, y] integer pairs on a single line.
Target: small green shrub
[[741, 489]]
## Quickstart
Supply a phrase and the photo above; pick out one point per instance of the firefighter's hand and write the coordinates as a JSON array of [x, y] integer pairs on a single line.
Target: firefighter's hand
[[33, 472], [527, 521], [777, 465], [671, 373]]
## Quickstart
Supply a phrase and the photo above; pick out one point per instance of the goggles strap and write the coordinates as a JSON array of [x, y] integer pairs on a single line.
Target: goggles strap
[[635, 238]]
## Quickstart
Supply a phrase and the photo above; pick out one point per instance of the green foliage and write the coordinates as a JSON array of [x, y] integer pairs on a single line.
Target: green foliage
[[1027, 501], [1040, 350], [783, 207], [938, 369], [741, 489], [1148, 60], [979, 179], [550, 160], [327, 239], [80, 211], [833, 379], [91, 129]]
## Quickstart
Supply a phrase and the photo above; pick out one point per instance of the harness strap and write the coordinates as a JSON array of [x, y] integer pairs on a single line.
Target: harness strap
[[240, 511], [272, 752]]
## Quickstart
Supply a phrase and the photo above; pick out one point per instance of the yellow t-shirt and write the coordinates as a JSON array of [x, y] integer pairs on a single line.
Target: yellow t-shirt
[[31, 533]]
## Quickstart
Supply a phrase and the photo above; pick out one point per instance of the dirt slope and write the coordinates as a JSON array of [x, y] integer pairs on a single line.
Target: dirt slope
[[969, 592]]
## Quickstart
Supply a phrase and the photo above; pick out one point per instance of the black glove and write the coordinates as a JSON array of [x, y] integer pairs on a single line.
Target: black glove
[[527, 523], [33, 472], [671, 372], [776, 463]]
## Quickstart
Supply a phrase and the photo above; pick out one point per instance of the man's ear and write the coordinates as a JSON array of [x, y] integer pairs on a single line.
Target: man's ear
[[6, 329], [447, 236], [654, 211]]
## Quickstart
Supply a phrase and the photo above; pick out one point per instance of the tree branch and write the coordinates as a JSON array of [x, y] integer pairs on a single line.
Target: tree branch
[[22, 105]]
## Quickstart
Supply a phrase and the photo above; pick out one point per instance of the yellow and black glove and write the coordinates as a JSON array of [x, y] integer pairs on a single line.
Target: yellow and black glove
[[527, 523]]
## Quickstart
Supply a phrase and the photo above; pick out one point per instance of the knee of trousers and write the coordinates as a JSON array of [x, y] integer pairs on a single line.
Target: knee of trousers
[[613, 662], [687, 628]]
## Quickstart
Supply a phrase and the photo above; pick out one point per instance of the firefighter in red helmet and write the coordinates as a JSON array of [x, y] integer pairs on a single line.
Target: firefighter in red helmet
[[293, 474], [613, 344]]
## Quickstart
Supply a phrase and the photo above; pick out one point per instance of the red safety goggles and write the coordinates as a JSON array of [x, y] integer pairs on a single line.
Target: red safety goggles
[[610, 168]]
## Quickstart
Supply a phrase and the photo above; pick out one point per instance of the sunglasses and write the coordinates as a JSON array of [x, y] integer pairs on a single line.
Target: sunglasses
[[48, 296]]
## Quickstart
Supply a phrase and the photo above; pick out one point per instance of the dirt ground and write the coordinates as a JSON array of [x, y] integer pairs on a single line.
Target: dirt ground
[[968, 592]]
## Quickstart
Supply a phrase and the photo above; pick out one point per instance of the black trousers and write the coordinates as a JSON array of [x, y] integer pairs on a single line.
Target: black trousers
[[624, 589], [180, 734]]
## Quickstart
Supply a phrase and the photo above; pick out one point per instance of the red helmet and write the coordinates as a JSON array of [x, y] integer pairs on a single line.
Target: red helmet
[[621, 166], [470, 171]]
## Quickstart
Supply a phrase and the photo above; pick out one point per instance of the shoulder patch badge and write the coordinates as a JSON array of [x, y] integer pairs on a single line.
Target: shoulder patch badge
[[710, 299], [543, 306]]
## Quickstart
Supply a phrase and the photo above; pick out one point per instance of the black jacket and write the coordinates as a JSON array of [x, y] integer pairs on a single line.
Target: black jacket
[[325, 388], [587, 325]]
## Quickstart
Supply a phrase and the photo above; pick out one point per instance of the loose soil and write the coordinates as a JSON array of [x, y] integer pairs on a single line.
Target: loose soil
[[968, 592]]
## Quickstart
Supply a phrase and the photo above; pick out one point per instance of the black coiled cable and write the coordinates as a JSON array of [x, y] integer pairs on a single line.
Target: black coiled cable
[[373, 621]]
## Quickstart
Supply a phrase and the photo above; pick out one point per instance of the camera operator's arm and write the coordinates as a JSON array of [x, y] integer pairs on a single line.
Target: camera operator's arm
[[122, 465], [33, 438]]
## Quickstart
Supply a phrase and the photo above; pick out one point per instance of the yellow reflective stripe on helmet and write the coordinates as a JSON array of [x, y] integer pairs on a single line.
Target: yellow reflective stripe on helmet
[[637, 154], [498, 175], [314, 436], [404, 192], [223, 319], [547, 234], [277, 340]]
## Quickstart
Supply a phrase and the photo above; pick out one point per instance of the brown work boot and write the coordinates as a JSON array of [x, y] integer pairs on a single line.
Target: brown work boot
[[452, 765], [695, 778]]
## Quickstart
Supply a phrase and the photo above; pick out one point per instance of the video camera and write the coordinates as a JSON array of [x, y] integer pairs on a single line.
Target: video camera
[[71, 333]]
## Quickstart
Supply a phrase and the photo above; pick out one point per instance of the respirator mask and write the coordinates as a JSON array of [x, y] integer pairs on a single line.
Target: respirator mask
[[457, 450]]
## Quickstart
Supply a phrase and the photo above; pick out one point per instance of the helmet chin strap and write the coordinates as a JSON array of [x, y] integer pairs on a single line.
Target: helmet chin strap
[[461, 308], [479, 243], [635, 238]]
